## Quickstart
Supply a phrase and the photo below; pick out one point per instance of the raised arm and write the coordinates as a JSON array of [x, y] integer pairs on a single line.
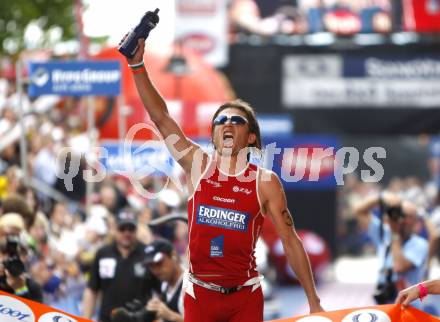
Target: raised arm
[[275, 204], [363, 209], [181, 148]]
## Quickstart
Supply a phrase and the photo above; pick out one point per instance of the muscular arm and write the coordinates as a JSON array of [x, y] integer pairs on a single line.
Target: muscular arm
[[274, 202], [181, 148]]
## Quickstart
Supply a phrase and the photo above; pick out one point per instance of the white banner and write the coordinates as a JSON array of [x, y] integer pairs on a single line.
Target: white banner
[[361, 92], [203, 26], [319, 81]]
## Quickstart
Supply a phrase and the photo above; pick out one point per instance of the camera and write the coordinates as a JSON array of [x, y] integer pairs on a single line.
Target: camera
[[394, 212], [133, 311], [385, 292], [13, 263]]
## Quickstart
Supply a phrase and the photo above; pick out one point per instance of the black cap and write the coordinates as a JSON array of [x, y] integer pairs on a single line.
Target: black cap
[[126, 218], [155, 251]]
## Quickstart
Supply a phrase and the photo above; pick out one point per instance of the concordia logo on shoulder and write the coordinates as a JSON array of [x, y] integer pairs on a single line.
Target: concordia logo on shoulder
[[56, 317]]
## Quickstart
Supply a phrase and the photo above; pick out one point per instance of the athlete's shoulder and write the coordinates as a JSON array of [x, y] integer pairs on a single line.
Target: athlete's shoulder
[[268, 182], [267, 176]]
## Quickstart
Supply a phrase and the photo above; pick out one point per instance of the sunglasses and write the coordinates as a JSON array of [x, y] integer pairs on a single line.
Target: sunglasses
[[127, 228], [234, 119]]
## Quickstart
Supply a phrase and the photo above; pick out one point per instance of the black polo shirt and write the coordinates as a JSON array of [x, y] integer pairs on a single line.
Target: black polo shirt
[[120, 280]]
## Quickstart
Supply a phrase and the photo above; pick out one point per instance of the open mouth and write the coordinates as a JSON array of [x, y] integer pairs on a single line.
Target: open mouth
[[228, 139]]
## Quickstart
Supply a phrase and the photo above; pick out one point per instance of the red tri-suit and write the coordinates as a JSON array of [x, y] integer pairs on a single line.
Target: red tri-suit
[[225, 221]]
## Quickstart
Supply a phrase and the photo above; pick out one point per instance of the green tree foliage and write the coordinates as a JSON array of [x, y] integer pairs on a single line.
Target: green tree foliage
[[48, 15]]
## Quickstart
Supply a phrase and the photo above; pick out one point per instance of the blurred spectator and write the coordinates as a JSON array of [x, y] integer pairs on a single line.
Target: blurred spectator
[[111, 198], [375, 16], [17, 204], [9, 157], [167, 204], [95, 234], [78, 190], [44, 164], [39, 234], [403, 254], [11, 181], [118, 274], [163, 262], [314, 11], [267, 18], [14, 277], [144, 233], [63, 238]]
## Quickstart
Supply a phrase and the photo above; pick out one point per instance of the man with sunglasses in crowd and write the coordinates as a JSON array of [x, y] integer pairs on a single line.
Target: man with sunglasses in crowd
[[118, 273], [229, 199]]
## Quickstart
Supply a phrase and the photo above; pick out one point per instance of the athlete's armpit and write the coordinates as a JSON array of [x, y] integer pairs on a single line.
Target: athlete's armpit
[[287, 218]]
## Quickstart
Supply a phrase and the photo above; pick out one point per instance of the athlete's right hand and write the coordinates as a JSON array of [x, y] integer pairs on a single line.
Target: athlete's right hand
[[139, 54]]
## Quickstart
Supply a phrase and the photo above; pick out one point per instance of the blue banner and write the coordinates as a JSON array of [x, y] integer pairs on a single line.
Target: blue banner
[[303, 162], [75, 78], [140, 158], [275, 124]]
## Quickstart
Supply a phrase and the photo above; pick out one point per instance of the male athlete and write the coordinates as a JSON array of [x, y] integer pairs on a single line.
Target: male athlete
[[229, 199]]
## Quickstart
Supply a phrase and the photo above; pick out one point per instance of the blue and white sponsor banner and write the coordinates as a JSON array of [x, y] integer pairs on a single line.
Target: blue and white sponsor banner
[[138, 158], [357, 81], [275, 124], [303, 162], [75, 78]]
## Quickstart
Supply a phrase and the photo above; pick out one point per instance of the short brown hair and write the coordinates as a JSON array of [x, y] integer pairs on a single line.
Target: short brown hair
[[247, 109], [17, 204]]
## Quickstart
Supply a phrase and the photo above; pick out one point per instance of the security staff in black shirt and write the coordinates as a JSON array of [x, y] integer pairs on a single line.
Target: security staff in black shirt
[[163, 262], [118, 273]]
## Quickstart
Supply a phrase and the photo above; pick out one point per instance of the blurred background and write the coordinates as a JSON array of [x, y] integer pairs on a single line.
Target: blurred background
[[319, 73]]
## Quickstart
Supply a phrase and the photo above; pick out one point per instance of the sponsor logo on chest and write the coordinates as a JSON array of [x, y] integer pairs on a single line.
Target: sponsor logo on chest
[[241, 189], [222, 218], [221, 199]]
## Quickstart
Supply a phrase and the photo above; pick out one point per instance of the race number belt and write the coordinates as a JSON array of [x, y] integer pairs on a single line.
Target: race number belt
[[221, 289]]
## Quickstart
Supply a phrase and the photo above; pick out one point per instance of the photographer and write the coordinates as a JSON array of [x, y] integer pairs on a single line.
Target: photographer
[[118, 275], [13, 276], [163, 262], [403, 255]]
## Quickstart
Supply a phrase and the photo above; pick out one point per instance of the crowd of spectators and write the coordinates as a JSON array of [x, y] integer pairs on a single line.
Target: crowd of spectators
[[281, 17], [59, 233]]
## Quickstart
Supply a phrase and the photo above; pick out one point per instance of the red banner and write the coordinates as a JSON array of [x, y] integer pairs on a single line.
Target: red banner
[[380, 313], [17, 309], [421, 15]]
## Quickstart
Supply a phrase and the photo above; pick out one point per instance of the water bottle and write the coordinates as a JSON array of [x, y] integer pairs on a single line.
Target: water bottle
[[142, 30]]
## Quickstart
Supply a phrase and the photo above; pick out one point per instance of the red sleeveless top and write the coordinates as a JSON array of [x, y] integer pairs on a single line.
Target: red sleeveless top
[[224, 223]]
